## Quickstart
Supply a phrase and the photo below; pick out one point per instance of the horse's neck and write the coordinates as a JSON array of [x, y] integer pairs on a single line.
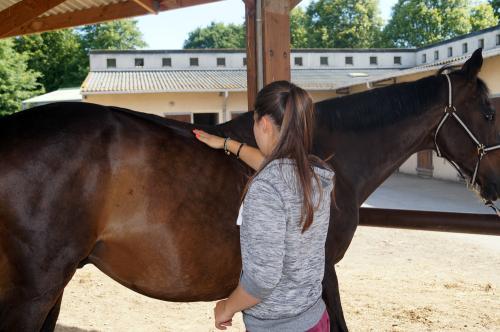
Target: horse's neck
[[373, 155], [240, 129]]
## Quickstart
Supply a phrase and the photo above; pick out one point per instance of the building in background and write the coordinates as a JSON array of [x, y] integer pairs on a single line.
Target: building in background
[[209, 86], [64, 94]]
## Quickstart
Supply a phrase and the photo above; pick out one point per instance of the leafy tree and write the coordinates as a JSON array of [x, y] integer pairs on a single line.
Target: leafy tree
[[298, 28], [17, 82], [57, 55], [416, 23], [118, 35], [482, 16], [344, 23], [217, 35], [62, 56], [496, 7]]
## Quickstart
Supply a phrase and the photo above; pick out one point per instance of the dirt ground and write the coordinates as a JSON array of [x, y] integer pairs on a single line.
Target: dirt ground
[[390, 280]]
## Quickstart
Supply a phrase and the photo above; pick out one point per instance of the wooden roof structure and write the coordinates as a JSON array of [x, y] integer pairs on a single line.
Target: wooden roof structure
[[20, 17]]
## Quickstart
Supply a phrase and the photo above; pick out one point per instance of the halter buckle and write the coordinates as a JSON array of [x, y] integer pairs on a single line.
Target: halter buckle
[[449, 109], [481, 150]]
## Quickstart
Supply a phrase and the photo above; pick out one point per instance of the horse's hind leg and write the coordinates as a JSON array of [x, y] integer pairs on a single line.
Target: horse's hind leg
[[50, 322], [37, 278], [27, 312]]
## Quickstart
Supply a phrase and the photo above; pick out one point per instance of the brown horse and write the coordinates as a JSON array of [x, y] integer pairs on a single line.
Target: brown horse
[[140, 198]]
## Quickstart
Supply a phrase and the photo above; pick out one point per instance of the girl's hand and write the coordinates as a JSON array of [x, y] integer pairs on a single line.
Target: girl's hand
[[212, 141], [223, 319]]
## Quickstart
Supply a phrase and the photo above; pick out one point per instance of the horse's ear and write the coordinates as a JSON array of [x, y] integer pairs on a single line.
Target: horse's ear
[[472, 66]]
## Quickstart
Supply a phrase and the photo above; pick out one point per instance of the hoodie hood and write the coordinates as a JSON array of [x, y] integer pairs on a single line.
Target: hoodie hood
[[287, 168]]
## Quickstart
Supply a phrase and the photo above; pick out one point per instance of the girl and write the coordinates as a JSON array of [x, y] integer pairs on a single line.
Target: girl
[[284, 218]]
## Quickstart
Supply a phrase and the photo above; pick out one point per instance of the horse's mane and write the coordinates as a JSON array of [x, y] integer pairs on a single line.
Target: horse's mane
[[379, 107], [384, 106]]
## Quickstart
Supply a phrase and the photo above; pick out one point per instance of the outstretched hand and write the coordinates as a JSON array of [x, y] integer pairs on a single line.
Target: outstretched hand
[[212, 141]]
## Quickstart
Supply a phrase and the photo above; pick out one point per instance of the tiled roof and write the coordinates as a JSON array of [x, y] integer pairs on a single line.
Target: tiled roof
[[142, 81], [431, 67]]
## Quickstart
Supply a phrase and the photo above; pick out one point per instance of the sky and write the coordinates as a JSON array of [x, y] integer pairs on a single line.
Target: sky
[[169, 29]]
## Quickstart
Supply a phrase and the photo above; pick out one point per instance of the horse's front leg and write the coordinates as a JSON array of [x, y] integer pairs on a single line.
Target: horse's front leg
[[343, 223], [331, 296]]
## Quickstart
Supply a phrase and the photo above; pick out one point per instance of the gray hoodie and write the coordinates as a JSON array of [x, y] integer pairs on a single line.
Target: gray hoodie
[[281, 266]]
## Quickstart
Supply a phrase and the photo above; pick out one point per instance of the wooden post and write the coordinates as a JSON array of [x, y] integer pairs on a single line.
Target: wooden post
[[276, 39], [275, 43], [424, 164], [251, 53]]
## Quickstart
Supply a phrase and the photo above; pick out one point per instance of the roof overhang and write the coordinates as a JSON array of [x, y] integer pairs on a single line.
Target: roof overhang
[[21, 17]]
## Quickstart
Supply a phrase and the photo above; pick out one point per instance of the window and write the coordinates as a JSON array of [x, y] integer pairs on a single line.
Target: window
[[464, 48], [373, 60], [298, 61], [436, 55], [397, 60], [221, 62], [498, 39], [139, 62], [111, 63], [450, 51], [323, 61], [349, 60], [244, 61], [480, 43], [424, 58], [193, 61], [167, 62]]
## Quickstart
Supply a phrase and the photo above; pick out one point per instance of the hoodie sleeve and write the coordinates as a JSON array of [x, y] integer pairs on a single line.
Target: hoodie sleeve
[[262, 237]]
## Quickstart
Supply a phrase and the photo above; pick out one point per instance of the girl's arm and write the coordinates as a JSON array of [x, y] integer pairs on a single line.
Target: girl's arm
[[250, 155]]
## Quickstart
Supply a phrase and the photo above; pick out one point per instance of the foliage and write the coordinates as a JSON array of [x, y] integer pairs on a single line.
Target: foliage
[[17, 82], [217, 35]]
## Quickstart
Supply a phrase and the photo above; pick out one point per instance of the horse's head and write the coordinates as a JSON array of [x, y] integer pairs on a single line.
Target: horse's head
[[469, 135]]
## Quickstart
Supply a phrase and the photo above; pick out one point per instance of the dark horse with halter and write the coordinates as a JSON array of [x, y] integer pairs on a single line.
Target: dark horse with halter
[[140, 198]]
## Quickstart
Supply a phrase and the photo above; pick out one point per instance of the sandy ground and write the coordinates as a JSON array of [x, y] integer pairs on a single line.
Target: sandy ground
[[390, 279]]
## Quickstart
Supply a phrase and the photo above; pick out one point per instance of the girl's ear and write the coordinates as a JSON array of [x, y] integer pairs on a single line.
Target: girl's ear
[[265, 123]]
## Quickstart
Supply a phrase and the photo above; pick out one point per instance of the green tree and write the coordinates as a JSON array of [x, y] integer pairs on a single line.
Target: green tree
[[344, 23], [415, 23], [482, 17], [62, 56], [57, 55], [17, 82], [298, 28], [217, 35], [114, 35], [496, 8]]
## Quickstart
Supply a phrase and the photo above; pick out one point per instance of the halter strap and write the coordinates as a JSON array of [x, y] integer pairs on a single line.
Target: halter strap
[[482, 150]]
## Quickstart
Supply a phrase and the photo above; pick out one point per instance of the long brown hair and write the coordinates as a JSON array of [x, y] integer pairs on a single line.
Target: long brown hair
[[292, 110]]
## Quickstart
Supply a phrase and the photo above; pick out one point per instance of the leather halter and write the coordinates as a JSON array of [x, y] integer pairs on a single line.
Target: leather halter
[[482, 150]]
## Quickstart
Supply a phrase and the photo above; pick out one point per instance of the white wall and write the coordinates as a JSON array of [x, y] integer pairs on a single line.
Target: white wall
[[490, 42], [442, 169]]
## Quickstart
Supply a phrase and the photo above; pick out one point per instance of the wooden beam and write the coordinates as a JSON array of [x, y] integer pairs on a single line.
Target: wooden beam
[[151, 6], [471, 223], [24, 12], [81, 17], [294, 3], [94, 15], [251, 53], [276, 40]]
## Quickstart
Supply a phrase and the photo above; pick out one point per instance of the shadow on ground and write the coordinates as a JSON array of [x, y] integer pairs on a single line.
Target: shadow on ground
[[62, 328]]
